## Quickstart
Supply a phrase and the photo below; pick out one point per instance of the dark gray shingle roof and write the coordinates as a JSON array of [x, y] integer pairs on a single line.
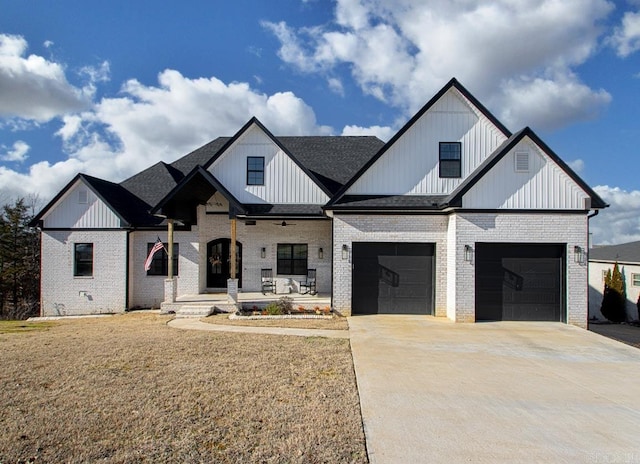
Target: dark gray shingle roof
[[623, 253], [395, 202]]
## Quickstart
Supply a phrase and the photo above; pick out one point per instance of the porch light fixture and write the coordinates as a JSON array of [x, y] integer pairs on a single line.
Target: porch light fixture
[[320, 253], [578, 254], [345, 252], [468, 253], [263, 252]]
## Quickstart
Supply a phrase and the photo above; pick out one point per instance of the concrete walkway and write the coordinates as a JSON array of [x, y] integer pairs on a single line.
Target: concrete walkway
[[432, 391], [196, 324]]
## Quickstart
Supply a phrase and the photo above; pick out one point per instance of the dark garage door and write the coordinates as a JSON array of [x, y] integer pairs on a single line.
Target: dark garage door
[[520, 282], [392, 278]]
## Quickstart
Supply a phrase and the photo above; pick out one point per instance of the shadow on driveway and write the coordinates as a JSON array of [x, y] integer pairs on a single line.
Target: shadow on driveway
[[626, 333]]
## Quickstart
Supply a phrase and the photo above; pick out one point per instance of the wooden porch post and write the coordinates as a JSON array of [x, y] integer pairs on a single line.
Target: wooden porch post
[[233, 270], [170, 248], [170, 290]]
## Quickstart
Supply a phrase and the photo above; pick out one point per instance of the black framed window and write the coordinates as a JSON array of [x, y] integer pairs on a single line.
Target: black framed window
[[450, 159], [160, 262], [255, 170], [292, 258], [83, 259]]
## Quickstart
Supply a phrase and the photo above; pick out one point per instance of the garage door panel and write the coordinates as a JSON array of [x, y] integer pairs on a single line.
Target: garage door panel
[[392, 278], [519, 282]]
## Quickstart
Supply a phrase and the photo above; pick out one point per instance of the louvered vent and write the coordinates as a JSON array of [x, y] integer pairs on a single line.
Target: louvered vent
[[83, 196], [522, 161]]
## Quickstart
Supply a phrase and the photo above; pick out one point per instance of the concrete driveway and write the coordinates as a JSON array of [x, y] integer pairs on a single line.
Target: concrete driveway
[[437, 392]]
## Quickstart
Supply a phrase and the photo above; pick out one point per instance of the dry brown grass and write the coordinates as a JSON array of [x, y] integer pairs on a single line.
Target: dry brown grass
[[335, 323], [130, 389]]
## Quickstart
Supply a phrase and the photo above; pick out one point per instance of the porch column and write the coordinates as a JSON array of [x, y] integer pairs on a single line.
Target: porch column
[[233, 270], [170, 284], [232, 283]]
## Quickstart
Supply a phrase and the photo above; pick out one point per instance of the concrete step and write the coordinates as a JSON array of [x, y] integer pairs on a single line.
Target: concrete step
[[195, 310]]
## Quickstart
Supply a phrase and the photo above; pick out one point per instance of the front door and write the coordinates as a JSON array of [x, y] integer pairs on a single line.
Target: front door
[[219, 263]]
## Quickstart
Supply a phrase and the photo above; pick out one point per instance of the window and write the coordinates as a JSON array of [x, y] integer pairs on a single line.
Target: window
[[160, 262], [450, 159], [83, 259], [604, 275], [292, 259], [635, 280], [255, 170]]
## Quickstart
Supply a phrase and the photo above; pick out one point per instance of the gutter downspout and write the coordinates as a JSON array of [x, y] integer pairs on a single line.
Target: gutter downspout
[[589, 216], [126, 271]]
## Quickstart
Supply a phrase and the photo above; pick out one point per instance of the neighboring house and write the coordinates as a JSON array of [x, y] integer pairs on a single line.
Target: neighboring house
[[455, 216], [601, 260]]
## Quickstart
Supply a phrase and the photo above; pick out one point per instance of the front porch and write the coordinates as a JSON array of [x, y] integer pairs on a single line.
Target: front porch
[[204, 304]]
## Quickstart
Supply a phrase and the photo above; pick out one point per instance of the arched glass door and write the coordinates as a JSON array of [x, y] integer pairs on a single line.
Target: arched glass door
[[219, 263]]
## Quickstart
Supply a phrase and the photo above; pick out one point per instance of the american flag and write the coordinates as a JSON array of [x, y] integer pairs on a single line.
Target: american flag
[[156, 247]]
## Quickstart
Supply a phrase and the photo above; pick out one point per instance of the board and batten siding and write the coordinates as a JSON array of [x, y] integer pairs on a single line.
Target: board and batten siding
[[284, 181], [544, 186], [71, 212], [410, 165]]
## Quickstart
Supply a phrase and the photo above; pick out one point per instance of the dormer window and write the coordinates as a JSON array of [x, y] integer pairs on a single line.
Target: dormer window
[[255, 170], [450, 159]]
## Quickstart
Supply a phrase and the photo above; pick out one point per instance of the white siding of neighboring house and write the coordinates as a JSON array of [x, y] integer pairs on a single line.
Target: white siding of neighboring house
[[544, 186], [596, 287], [104, 292], [284, 181], [411, 164], [68, 212]]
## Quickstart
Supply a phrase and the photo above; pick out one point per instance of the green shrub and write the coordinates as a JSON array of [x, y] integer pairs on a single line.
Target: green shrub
[[614, 299], [273, 309]]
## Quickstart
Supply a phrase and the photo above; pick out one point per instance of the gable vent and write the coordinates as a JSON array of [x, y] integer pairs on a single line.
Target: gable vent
[[522, 161], [83, 196]]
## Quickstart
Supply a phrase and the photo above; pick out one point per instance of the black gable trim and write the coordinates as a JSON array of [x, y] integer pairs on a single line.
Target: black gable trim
[[455, 199], [97, 186], [196, 188], [453, 83], [255, 121]]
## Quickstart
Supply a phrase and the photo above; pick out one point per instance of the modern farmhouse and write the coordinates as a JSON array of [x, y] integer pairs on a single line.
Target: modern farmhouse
[[455, 216]]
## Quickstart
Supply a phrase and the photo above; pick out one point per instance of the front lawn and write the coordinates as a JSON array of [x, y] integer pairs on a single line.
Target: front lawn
[[128, 388]]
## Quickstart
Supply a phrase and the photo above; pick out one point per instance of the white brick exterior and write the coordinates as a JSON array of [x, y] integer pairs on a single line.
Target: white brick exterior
[[267, 234], [104, 292], [148, 291], [387, 228], [454, 277], [569, 229]]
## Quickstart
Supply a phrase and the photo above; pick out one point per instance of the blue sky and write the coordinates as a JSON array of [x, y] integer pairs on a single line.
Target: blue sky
[[110, 88]]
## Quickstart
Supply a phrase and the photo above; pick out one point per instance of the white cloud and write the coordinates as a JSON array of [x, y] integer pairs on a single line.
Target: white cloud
[[33, 87], [577, 165], [620, 222], [402, 51], [17, 153], [549, 103], [626, 37], [382, 132], [120, 136], [336, 86]]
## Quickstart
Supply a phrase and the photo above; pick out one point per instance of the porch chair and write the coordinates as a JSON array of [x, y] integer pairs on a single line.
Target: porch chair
[[266, 277], [309, 283]]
